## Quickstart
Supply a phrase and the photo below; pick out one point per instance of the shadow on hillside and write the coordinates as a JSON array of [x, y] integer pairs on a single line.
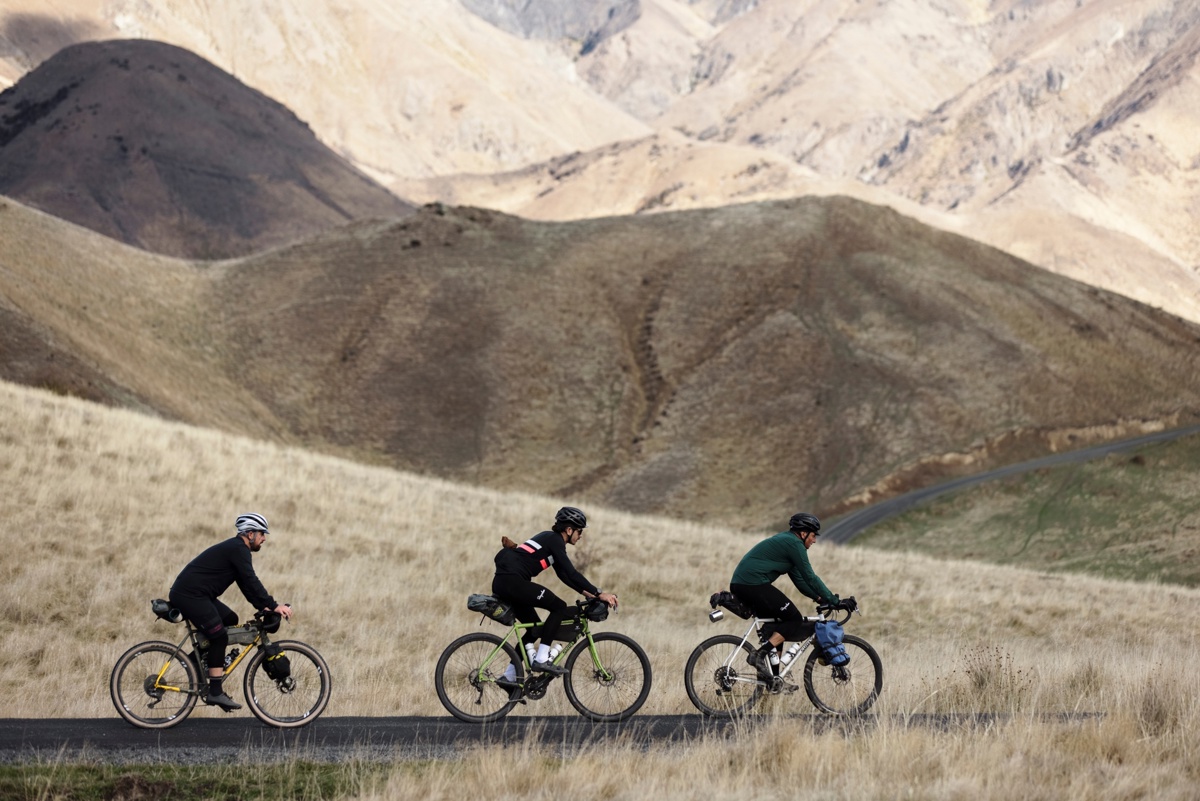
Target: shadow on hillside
[[32, 38]]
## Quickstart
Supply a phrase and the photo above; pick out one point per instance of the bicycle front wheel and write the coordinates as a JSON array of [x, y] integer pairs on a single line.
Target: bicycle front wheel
[[295, 700], [154, 685], [613, 685], [466, 673], [847, 690], [719, 680]]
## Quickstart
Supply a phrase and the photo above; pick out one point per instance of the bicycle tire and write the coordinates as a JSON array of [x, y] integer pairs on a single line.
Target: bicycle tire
[[850, 690], [292, 702], [617, 688], [719, 681], [463, 683], [133, 679]]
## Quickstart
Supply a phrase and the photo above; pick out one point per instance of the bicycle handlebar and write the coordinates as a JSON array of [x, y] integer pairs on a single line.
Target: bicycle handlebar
[[826, 609]]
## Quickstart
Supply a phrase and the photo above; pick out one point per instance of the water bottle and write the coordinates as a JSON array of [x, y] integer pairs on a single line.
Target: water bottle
[[716, 615], [531, 650], [790, 653], [232, 655], [774, 658], [555, 650]]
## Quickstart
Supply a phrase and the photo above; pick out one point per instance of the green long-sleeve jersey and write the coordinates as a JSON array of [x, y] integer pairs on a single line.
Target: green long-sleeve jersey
[[774, 556]]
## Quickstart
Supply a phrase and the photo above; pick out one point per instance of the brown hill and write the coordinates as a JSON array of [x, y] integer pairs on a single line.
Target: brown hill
[[722, 365], [155, 147]]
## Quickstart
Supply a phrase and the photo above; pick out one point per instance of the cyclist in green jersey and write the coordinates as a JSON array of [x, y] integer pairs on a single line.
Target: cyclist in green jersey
[[753, 583]]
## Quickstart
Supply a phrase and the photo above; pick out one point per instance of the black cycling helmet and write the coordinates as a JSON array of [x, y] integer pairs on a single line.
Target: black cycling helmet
[[571, 516], [803, 521]]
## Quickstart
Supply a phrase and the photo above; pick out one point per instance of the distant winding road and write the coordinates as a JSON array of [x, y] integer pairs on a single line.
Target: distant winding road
[[850, 526]]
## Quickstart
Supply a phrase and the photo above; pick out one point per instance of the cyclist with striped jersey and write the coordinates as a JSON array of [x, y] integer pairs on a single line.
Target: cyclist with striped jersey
[[516, 567]]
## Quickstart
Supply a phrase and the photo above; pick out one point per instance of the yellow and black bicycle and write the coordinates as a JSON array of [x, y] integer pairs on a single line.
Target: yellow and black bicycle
[[156, 684]]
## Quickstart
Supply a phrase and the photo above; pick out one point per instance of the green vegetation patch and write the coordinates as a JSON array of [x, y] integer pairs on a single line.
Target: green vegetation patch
[[292, 780], [1132, 516]]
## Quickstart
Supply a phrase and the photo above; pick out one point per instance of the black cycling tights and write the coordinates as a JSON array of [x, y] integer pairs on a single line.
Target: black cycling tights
[[767, 601], [525, 596], [211, 617]]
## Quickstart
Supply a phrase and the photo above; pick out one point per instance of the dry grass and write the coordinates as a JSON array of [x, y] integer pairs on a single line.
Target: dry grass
[[103, 507]]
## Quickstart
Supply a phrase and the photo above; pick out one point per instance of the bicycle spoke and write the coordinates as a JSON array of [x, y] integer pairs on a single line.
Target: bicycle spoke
[[466, 673], [153, 686], [718, 679], [614, 684], [292, 701], [847, 690]]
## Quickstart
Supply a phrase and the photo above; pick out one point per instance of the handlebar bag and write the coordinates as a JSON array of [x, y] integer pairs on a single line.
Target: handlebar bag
[[829, 635]]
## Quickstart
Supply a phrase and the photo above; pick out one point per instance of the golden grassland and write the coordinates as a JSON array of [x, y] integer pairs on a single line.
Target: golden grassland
[[102, 508]]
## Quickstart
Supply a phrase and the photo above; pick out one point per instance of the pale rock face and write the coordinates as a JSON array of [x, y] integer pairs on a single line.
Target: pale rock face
[[1060, 131]]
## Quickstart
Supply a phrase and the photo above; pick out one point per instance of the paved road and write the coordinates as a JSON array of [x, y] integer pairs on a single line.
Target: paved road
[[334, 739], [850, 526]]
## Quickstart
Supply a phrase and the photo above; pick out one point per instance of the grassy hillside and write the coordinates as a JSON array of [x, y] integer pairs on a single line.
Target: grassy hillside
[[102, 508], [1133, 517]]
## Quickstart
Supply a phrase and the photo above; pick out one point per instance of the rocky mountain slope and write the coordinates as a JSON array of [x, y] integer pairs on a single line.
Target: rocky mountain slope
[[1058, 131]]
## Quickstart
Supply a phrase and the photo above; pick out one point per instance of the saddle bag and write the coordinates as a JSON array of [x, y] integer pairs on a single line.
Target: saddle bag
[[492, 608], [729, 601], [165, 611]]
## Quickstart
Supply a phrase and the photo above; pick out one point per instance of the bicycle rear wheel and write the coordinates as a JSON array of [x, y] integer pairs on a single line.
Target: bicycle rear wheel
[[847, 690], [296, 700], [612, 686], [466, 673], [154, 685], [718, 679]]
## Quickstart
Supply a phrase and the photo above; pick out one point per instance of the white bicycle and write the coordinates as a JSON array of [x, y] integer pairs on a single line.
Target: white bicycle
[[722, 683]]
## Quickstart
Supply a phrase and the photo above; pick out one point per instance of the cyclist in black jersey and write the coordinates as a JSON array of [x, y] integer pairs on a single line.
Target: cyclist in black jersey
[[195, 592], [516, 565]]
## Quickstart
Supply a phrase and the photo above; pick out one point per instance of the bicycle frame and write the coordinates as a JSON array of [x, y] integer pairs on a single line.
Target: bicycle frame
[[519, 629], [193, 636], [755, 627]]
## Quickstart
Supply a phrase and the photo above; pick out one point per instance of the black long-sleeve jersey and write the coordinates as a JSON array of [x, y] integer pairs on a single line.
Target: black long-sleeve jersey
[[539, 552], [211, 573]]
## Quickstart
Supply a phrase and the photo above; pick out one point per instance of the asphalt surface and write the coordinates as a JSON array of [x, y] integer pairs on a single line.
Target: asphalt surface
[[334, 739], [853, 524], [212, 740]]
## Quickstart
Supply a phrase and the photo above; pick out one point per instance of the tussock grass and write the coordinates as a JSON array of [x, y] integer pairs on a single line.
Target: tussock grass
[[103, 507]]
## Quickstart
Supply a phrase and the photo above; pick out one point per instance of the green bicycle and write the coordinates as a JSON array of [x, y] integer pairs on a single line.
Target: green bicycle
[[607, 680]]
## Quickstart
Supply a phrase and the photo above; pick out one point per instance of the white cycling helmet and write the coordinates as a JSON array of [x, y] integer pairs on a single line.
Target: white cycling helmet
[[250, 522]]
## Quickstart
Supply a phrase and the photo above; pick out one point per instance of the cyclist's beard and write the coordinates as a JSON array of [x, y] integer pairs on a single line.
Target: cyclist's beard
[[256, 547]]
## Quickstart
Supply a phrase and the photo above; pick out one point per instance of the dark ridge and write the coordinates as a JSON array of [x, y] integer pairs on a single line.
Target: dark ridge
[[155, 147]]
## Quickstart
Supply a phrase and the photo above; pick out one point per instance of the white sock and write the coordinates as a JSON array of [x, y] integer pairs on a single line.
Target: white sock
[[543, 654], [510, 672]]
